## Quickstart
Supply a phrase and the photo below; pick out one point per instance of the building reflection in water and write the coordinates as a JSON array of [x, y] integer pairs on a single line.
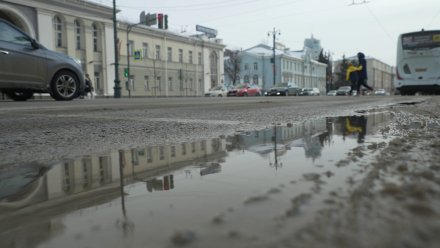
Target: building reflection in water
[[100, 179]]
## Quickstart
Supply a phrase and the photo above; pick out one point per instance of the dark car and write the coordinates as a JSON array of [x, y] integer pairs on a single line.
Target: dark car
[[283, 89], [27, 67], [246, 90]]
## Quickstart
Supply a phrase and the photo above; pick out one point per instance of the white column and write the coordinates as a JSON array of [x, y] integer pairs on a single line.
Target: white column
[[109, 62]]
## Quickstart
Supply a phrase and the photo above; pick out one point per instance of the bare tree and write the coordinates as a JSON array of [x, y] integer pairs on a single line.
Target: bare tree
[[232, 64]]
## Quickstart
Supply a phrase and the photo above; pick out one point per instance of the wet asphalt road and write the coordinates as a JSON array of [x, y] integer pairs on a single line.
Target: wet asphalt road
[[46, 130], [368, 176]]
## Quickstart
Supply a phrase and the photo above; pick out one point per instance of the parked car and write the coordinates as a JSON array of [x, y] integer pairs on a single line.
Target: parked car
[[245, 90], [381, 92], [217, 91], [310, 92], [331, 93], [343, 91], [27, 67], [283, 89]]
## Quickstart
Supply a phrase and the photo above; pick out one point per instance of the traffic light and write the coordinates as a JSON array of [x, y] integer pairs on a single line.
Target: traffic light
[[126, 72], [160, 20], [166, 21]]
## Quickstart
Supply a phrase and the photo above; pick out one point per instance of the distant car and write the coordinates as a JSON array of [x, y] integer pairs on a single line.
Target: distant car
[[331, 93], [310, 92], [283, 89], [217, 91], [343, 91], [27, 67], [245, 90], [381, 92]]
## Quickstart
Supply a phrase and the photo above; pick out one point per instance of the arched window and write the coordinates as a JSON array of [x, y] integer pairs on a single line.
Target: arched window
[[58, 27], [95, 38], [77, 34]]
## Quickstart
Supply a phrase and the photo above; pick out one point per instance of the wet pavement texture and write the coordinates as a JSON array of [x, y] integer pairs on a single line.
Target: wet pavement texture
[[249, 189]]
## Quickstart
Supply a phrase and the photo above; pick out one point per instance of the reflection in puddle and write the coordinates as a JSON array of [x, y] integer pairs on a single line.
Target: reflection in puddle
[[239, 181]]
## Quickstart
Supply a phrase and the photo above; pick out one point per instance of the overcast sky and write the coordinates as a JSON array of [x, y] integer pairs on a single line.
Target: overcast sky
[[343, 28]]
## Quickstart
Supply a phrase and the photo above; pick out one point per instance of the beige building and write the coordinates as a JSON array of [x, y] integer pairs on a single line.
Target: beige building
[[380, 74], [163, 63], [170, 64]]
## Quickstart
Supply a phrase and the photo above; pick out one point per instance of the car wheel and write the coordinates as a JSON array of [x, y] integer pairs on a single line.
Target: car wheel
[[65, 86], [245, 94], [220, 95], [258, 93], [19, 95]]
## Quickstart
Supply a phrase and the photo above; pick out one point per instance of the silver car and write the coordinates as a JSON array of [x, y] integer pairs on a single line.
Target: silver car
[[27, 67]]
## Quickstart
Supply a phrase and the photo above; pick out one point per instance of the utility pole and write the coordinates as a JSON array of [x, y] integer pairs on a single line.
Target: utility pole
[[117, 87], [274, 36]]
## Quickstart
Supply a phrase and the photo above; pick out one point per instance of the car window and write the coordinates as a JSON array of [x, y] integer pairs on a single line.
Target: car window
[[217, 88], [9, 34]]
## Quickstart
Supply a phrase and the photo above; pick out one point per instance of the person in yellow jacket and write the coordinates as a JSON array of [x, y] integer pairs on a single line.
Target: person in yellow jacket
[[352, 75]]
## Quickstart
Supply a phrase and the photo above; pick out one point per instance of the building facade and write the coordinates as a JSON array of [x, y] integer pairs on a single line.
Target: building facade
[[380, 75], [84, 30], [295, 67], [163, 63]]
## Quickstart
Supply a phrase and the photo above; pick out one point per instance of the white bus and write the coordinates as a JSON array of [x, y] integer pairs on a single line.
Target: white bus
[[418, 63]]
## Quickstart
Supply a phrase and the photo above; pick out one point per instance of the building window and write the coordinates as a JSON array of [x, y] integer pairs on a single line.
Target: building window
[[149, 155], [255, 66], [130, 48], [146, 83], [190, 84], [161, 153], [98, 86], [183, 149], [77, 34], [134, 157], [246, 67], [180, 56], [170, 54], [95, 38], [246, 79], [190, 57], [145, 50], [170, 83], [203, 145], [58, 27], [158, 52], [255, 79], [199, 58], [173, 151], [201, 85], [158, 86], [193, 147]]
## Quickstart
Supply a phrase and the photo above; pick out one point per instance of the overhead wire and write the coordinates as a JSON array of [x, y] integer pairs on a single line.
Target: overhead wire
[[193, 7], [379, 23], [433, 19]]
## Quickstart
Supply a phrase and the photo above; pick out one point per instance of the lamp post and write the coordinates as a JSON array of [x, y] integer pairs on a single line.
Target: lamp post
[[117, 87], [274, 35]]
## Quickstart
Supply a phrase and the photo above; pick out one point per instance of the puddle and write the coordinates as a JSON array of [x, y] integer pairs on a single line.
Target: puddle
[[210, 193]]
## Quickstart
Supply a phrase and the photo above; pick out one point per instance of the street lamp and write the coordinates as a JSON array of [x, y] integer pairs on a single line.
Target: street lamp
[[274, 35], [117, 87]]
